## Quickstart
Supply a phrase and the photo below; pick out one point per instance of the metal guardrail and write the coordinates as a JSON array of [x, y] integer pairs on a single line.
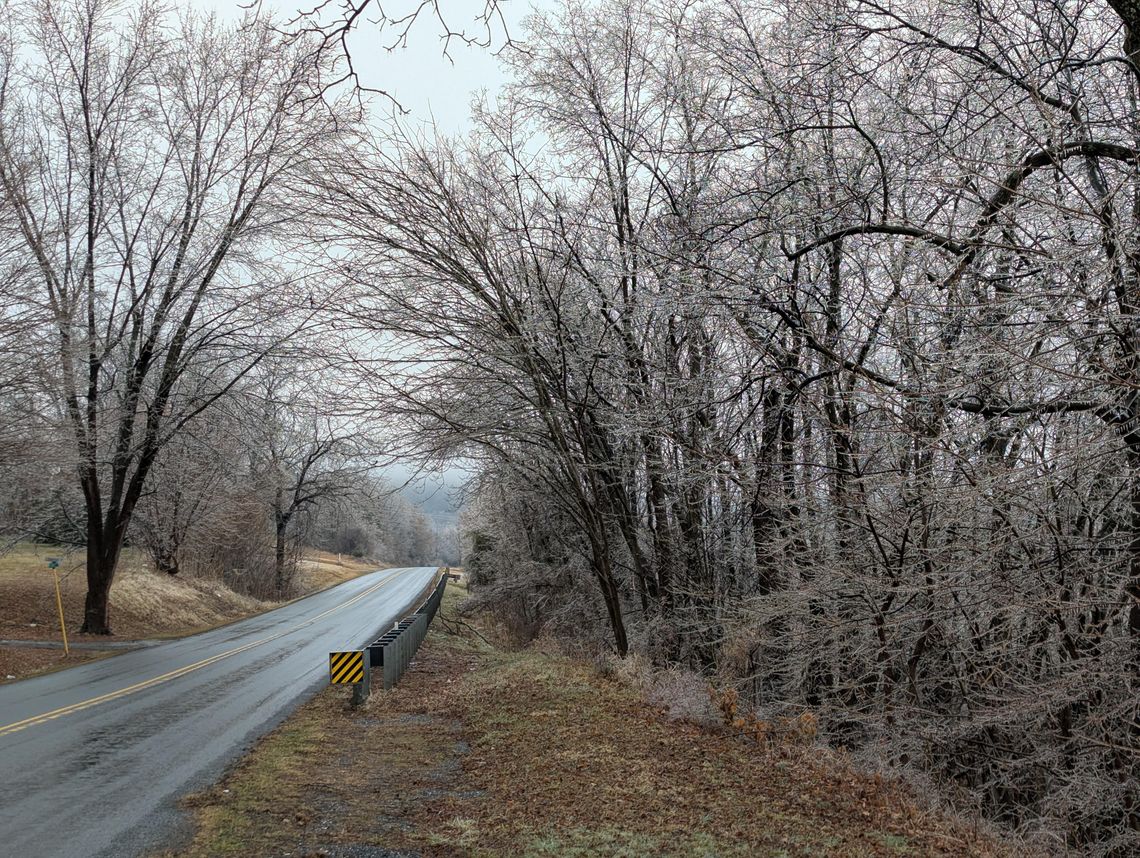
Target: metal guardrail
[[393, 651]]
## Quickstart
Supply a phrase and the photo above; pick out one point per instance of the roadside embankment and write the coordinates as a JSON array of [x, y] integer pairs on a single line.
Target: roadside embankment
[[486, 752], [144, 604]]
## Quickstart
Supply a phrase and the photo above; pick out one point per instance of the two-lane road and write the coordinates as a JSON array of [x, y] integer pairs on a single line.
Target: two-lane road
[[94, 759]]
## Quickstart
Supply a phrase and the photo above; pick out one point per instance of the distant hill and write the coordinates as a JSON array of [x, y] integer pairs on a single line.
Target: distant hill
[[436, 493]]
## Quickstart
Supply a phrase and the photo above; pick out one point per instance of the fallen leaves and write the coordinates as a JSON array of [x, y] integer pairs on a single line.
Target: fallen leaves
[[484, 752]]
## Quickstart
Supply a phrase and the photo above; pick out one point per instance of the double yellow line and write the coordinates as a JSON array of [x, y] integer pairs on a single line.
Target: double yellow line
[[17, 726]]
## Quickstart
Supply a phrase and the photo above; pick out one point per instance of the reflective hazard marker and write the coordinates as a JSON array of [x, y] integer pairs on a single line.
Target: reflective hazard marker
[[346, 668]]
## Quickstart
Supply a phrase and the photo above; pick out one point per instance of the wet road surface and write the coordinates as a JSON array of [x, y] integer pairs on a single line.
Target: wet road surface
[[93, 759]]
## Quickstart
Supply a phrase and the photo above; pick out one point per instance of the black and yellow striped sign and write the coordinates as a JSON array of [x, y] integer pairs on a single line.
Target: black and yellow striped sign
[[346, 668]]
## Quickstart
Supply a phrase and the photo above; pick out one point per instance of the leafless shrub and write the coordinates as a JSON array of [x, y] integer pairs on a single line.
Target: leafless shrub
[[683, 695]]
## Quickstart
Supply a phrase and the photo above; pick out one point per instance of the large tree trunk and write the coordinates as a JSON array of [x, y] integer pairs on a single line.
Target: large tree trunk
[[102, 558], [96, 607]]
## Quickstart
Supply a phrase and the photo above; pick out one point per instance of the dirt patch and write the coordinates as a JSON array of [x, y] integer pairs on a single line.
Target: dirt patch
[[20, 662], [484, 752]]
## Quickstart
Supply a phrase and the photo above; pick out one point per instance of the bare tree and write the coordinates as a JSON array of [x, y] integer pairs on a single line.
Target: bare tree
[[147, 163], [333, 26], [301, 454], [809, 334], [193, 482]]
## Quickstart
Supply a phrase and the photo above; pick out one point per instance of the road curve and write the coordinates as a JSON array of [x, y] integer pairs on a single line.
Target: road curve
[[94, 759]]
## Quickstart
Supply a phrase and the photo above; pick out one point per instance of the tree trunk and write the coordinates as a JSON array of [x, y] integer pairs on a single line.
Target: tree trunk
[[279, 557], [610, 594], [96, 615], [101, 562], [1129, 12]]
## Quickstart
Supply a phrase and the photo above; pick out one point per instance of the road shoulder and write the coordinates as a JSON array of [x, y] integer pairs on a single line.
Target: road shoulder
[[481, 751]]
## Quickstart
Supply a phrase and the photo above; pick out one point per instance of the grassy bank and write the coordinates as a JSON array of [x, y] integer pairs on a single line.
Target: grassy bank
[[492, 753], [144, 603]]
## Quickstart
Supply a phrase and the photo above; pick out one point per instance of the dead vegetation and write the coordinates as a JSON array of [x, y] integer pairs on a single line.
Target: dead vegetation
[[487, 752], [320, 569], [144, 603]]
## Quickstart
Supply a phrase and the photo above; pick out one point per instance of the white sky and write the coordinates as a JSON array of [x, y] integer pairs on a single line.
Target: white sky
[[433, 89], [427, 84]]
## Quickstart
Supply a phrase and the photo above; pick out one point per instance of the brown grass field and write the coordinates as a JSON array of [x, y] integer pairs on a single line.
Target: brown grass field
[[144, 603]]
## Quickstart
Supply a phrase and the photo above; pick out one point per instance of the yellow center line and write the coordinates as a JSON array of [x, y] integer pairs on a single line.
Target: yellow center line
[[16, 726]]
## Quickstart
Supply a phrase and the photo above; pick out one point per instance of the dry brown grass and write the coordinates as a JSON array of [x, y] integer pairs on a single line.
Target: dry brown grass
[[487, 753], [144, 603], [322, 569]]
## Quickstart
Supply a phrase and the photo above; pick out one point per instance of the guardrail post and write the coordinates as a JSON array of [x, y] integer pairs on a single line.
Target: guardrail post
[[389, 661], [393, 651], [362, 690]]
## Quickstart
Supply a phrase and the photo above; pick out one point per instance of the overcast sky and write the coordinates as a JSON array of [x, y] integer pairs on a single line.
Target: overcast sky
[[425, 82], [432, 88]]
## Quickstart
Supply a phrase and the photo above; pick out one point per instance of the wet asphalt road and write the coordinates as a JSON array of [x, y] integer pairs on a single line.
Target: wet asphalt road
[[94, 759]]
